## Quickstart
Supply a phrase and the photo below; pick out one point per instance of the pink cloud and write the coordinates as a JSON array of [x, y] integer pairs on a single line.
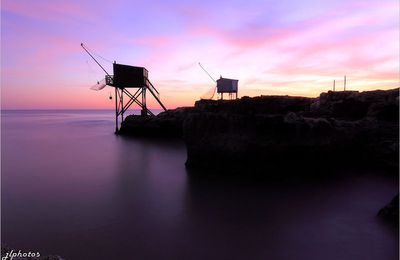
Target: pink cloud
[[48, 10], [266, 57], [154, 41]]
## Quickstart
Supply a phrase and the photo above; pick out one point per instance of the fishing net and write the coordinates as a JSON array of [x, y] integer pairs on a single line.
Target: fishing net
[[209, 94], [100, 85]]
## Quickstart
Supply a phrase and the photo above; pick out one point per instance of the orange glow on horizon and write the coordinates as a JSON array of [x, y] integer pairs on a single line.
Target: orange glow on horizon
[[294, 49]]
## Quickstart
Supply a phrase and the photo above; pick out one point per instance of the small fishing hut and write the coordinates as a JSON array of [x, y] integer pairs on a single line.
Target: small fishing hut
[[229, 86], [125, 77]]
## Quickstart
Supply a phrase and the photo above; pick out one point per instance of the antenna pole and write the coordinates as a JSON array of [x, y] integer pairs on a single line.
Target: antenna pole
[[344, 84], [94, 59], [207, 72]]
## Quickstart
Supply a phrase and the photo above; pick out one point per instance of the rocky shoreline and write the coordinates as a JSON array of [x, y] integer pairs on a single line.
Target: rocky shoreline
[[337, 128], [390, 212]]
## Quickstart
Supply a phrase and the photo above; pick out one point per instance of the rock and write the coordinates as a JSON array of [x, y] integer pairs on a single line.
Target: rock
[[391, 211], [165, 124], [255, 134], [289, 132], [354, 105]]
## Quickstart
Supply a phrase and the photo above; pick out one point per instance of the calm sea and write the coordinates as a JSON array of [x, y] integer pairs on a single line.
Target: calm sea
[[70, 187]]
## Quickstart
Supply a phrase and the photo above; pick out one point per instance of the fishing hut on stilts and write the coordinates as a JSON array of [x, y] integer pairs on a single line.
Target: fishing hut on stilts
[[124, 78], [224, 85]]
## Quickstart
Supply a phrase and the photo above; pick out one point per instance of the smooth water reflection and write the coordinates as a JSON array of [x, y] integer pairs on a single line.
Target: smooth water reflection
[[71, 187]]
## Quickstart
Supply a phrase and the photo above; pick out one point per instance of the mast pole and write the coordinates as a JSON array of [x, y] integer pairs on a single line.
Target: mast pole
[[94, 59], [207, 72]]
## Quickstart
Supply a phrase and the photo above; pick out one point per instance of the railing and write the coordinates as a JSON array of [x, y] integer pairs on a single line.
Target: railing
[[109, 80]]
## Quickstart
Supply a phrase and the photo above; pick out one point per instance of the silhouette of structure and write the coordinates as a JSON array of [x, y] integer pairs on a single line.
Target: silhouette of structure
[[224, 85], [229, 86], [344, 83], [125, 77]]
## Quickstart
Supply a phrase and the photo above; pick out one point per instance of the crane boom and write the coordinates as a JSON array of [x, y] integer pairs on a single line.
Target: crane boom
[[95, 60], [207, 72]]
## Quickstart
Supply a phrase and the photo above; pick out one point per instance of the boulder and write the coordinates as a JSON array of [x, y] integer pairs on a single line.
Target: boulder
[[391, 211]]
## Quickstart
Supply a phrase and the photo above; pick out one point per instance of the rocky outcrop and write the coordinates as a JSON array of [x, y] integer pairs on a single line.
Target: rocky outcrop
[[166, 124], [391, 211], [289, 132], [354, 105], [254, 134]]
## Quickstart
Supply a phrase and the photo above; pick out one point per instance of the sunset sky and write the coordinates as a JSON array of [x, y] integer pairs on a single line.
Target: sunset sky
[[285, 47]]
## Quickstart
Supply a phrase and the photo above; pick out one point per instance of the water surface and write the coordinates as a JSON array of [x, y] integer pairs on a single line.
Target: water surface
[[71, 187]]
